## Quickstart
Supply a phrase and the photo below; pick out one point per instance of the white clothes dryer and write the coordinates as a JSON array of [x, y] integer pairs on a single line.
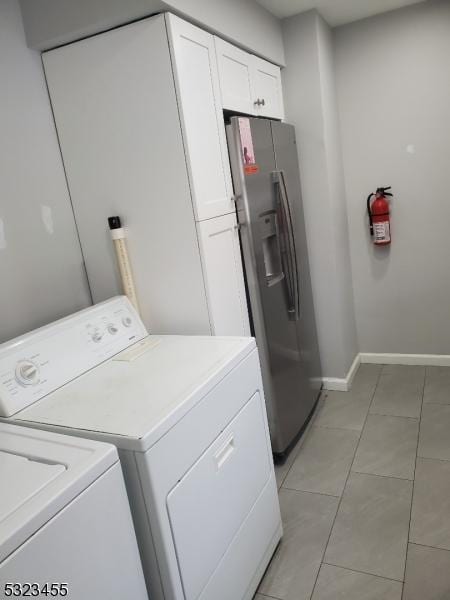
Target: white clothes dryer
[[188, 416]]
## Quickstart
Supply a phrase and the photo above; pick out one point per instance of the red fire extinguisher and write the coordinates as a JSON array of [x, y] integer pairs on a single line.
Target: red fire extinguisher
[[379, 222]]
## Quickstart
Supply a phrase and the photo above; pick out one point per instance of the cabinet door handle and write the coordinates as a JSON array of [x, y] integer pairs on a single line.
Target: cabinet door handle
[[263, 102], [257, 102]]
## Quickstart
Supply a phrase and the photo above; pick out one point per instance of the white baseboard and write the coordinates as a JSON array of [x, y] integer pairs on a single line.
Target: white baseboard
[[435, 360], [344, 384], [426, 360]]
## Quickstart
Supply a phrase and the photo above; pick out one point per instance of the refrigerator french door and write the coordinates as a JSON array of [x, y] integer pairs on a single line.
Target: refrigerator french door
[[266, 181]]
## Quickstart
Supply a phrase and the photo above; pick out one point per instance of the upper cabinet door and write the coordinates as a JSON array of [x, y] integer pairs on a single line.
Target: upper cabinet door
[[197, 83], [235, 73], [266, 79], [248, 84]]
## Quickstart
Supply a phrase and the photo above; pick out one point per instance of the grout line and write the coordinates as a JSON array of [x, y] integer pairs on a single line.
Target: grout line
[[345, 484], [413, 483], [383, 476], [338, 428], [431, 547], [341, 428], [394, 364], [445, 460], [395, 416], [430, 403], [362, 572], [310, 492]]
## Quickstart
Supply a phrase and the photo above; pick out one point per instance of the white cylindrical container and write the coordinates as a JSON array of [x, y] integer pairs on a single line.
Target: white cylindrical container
[[119, 238]]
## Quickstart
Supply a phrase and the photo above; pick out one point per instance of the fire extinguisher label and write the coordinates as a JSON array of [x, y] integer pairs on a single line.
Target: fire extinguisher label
[[382, 232]]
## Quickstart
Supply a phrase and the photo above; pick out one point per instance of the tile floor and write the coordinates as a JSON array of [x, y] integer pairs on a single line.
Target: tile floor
[[365, 495]]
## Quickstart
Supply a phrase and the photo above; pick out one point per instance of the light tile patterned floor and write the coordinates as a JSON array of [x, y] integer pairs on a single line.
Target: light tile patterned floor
[[365, 495]]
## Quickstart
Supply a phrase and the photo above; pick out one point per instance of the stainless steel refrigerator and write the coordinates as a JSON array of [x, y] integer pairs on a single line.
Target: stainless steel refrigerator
[[266, 181]]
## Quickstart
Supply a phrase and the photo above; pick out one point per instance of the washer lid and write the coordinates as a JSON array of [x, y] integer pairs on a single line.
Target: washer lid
[[23, 478], [40, 474]]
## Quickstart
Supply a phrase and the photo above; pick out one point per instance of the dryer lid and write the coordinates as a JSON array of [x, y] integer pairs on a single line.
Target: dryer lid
[[136, 397]]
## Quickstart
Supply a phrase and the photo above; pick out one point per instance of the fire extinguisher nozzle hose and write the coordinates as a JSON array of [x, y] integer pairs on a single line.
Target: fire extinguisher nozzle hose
[[370, 214]]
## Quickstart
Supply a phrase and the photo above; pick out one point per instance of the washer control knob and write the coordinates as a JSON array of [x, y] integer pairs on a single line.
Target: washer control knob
[[27, 373], [96, 336], [127, 321], [112, 329]]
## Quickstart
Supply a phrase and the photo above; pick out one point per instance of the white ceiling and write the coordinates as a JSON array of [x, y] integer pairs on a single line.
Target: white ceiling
[[335, 12]]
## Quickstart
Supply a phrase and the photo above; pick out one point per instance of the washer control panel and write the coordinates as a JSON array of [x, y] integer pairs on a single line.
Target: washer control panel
[[42, 361]]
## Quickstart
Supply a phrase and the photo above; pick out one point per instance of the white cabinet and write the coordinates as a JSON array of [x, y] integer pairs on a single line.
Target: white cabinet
[[197, 83], [248, 84], [147, 143], [235, 70], [116, 112], [266, 79], [222, 267]]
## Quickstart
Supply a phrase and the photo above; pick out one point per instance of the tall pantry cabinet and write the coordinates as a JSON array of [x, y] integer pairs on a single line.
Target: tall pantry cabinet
[[139, 118]]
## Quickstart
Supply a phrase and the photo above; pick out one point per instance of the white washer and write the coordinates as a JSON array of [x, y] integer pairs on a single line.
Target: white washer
[[65, 522], [188, 416]]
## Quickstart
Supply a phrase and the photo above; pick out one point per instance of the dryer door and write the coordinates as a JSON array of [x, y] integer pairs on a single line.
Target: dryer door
[[210, 503]]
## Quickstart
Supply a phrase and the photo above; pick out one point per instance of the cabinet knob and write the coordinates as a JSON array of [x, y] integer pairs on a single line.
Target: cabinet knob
[[263, 102], [257, 102]]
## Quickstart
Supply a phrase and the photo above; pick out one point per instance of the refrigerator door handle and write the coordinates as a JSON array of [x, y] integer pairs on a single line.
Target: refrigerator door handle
[[273, 275], [289, 258]]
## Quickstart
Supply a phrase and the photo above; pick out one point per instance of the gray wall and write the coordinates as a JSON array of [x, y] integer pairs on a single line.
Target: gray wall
[[41, 269], [49, 23], [310, 101], [393, 74]]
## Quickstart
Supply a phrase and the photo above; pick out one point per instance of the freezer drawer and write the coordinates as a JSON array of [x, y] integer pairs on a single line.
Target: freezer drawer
[[209, 504]]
